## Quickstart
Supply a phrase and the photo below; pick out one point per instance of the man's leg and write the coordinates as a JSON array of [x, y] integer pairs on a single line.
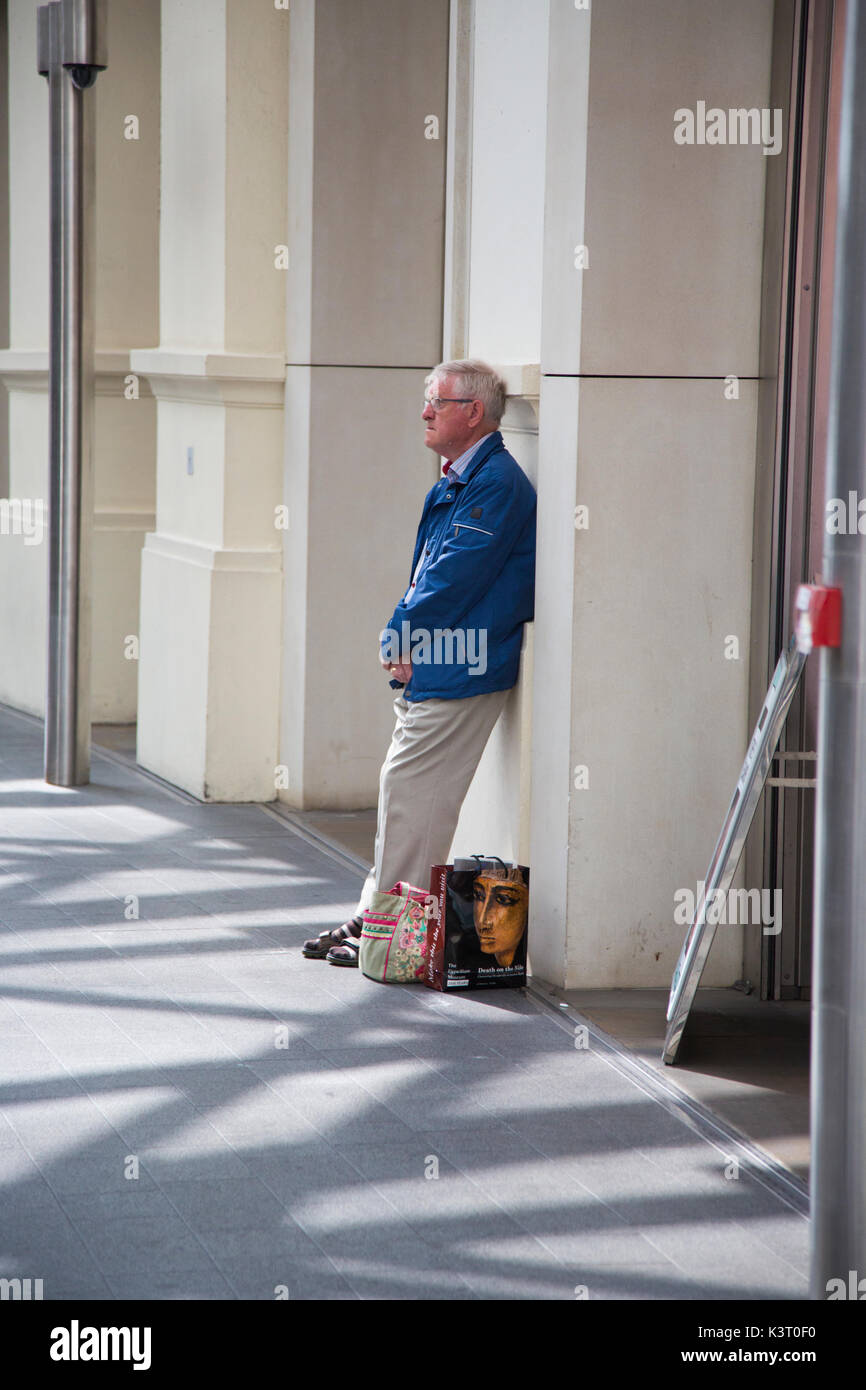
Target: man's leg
[[435, 748]]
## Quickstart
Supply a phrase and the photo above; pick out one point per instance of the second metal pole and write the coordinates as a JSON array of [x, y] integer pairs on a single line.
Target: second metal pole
[[839, 1009], [63, 36]]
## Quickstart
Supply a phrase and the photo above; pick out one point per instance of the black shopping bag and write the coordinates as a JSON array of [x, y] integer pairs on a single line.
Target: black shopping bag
[[478, 915]]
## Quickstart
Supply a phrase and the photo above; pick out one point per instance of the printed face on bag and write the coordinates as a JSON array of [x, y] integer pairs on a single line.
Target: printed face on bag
[[501, 909]]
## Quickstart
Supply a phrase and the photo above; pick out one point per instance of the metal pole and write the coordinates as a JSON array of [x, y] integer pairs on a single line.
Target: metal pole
[[71, 50], [839, 1010]]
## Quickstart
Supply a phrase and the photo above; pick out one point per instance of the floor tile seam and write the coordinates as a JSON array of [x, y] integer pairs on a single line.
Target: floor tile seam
[[129, 965], [297, 1222], [509, 1214], [594, 1197], [379, 1101], [92, 952], [145, 1002], [778, 1181], [800, 1274], [117, 1023], [65, 1004], [225, 1272], [67, 1216], [595, 1201], [133, 770], [73, 1076], [191, 1009], [451, 1275], [79, 875], [177, 1095], [36, 1164], [235, 984], [401, 1217], [125, 1220], [749, 1160], [346, 1156], [745, 1230], [117, 1289], [542, 1240], [325, 846], [540, 1151], [248, 1177], [683, 1269], [7, 999], [181, 900], [230, 1144], [751, 1176], [204, 1111], [299, 1114], [146, 1062]]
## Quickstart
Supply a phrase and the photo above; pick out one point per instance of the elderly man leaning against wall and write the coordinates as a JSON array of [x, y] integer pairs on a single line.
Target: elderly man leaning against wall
[[452, 644]]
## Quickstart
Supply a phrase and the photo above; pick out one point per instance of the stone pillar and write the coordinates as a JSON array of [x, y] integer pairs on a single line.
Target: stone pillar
[[367, 125], [126, 309], [210, 590], [652, 280]]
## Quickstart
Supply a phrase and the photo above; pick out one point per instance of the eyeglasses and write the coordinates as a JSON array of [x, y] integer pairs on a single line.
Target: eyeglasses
[[436, 402]]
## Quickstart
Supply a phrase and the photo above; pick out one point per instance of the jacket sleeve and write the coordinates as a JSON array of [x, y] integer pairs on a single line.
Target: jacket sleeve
[[472, 555], [420, 537]]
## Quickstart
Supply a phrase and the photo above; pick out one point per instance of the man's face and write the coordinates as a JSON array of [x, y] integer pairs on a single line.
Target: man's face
[[449, 431]]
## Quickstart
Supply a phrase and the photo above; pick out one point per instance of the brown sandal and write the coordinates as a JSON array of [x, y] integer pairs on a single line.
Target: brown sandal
[[317, 947], [347, 954]]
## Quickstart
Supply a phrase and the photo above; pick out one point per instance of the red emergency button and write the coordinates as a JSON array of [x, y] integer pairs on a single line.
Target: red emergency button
[[819, 616]]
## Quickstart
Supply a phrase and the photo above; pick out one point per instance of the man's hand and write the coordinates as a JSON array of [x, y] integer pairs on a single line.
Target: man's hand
[[400, 671]]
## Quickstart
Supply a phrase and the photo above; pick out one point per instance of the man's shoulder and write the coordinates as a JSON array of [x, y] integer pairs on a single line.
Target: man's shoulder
[[499, 469]]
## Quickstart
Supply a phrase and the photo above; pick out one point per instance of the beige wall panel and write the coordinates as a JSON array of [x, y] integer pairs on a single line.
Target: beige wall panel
[[296, 546], [673, 231], [253, 482], [24, 586], [28, 183], [495, 815], [257, 43], [378, 199], [193, 176], [191, 504], [509, 120], [243, 694], [117, 567], [125, 304], [24, 559], [662, 581], [175, 632], [565, 185], [127, 180], [124, 449], [368, 475], [553, 675], [24, 566]]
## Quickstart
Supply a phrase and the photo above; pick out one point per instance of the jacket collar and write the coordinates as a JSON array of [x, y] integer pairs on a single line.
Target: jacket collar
[[490, 446]]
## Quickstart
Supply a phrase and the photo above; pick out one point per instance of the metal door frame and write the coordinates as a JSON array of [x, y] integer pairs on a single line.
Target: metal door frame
[[799, 247]]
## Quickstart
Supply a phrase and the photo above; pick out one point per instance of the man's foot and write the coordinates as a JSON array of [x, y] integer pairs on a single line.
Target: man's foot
[[347, 954], [317, 947]]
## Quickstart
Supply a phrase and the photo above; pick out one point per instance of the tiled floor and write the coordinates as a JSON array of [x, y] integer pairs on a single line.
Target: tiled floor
[[190, 1109], [745, 1059]]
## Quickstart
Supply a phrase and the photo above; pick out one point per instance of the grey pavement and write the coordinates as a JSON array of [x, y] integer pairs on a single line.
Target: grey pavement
[[190, 1109]]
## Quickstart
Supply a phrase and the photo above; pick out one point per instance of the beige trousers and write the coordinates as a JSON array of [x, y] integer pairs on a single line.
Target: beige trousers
[[435, 748]]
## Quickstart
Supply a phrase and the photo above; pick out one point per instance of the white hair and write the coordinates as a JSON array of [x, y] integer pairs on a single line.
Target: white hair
[[477, 380]]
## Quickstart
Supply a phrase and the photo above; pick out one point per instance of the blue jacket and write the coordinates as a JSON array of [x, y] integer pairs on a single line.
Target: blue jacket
[[462, 624]]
